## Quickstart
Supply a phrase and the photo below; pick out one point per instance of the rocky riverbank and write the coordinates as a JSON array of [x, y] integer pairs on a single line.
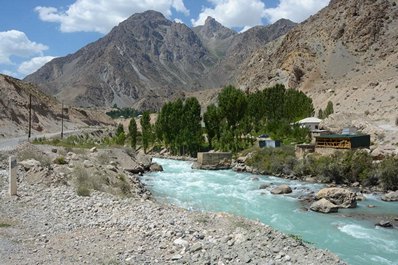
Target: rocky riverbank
[[48, 223]]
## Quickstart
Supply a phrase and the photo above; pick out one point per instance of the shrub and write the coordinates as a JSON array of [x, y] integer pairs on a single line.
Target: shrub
[[274, 160], [60, 160], [82, 181], [388, 173]]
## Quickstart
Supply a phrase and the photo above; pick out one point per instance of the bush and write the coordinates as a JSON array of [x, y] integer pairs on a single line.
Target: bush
[[274, 160], [60, 160], [388, 173]]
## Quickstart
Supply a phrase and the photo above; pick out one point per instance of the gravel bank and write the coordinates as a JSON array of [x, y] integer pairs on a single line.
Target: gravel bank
[[50, 224]]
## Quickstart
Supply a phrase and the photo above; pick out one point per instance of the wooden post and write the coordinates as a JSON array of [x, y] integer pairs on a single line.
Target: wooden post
[[62, 121], [13, 176], [30, 116]]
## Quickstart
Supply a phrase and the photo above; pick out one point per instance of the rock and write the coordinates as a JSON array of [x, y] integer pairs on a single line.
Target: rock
[[144, 160], [241, 159], [88, 164], [54, 150], [111, 167], [93, 150], [29, 163], [355, 184], [342, 198], [386, 224], [263, 186], [371, 206], [180, 242], [196, 247], [392, 196], [155, 167], [324, 206], [282, 189]]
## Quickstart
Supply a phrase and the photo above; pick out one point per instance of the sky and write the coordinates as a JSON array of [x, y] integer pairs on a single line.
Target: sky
[[33, 32]]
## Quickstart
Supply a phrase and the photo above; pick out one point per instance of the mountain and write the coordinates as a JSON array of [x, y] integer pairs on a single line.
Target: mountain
[[346, 53], [46, 111], [146, 60]]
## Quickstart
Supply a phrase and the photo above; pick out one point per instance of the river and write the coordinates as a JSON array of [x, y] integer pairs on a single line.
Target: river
[[355, 240]]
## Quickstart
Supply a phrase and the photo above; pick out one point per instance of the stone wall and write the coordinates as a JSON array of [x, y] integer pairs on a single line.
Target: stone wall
[[206, 158]]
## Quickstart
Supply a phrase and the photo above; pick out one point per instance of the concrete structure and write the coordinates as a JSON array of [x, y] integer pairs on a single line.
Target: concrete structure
[[312, 123], [12, 176], [214, 158], [303, 149], [265, 141], [342, 141]]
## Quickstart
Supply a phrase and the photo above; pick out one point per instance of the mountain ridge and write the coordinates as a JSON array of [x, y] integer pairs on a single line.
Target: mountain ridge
[[145, 61]]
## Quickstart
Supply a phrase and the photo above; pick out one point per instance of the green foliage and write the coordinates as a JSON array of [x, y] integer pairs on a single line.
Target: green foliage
[[120, 135], [124, 112], [82, 181], [212, 119], [133, 133], [232, 103], [146, 130], [60, 160], [388, 173], [323, 114], [274, 161], [179, 126]]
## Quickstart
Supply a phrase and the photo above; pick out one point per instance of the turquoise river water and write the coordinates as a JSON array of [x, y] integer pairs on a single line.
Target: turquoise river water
[[351, 233]]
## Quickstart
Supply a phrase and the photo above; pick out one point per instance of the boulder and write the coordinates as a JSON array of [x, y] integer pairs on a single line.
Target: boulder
[[392, 196], [342, 198], [155, 167], [282, 189], [386, 224], [144, 160], [30, 163], [324, 206], [88, 163], [263, 186], [93, 150]]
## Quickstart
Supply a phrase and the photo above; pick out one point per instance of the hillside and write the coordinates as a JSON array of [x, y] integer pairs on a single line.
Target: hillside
[[346, 53], [46, 111], [148, 59]]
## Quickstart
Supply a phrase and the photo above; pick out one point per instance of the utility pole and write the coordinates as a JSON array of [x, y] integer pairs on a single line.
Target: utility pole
[[30, 116], [62, 120]]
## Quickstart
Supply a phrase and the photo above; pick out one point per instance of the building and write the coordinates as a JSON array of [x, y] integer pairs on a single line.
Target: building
[[312, 123], [265, 141], [342, 141]]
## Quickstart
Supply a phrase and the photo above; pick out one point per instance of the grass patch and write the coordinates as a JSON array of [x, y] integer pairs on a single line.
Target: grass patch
[[60, 160], [4, 225], [30, 153], [299, 239]]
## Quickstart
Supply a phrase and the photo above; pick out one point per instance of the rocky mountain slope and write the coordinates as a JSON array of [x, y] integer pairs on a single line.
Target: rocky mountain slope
[[346, 53], [46, 111], [148, 59]]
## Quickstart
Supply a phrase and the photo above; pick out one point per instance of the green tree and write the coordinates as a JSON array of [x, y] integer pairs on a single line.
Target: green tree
[[120, 136], [232, 103], [192, 129], [329, 109], [133, 133], [146, 130], [212, 120]]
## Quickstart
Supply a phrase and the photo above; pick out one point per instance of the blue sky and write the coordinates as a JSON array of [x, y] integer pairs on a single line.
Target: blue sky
[[34, 32]]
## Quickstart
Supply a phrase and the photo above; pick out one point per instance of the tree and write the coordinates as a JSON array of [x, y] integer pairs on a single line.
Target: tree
[[233, 104], [120, 136], [329, 109], [146, 130], [212, 121], [133, 133]]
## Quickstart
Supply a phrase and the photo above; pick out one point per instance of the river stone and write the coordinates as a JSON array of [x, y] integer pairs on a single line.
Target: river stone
[[263, 186], [392, 196], [155, 167], [30, 163], [386, 224], [282, 189], [342, 198], [324, 206]]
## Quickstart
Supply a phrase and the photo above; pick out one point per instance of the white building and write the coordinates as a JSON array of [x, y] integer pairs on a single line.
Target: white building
[[312, 123]]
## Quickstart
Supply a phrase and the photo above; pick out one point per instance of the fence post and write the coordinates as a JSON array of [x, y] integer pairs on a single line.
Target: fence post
[[13, 176]]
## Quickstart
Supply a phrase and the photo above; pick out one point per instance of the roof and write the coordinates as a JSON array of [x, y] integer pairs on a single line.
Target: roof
[[310, 120], [347, 136]]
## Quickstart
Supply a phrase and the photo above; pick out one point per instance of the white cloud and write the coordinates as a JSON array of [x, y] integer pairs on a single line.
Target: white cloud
[[102, 15], [294, 10], [16, 43], [177, 20], [249, 13], [233, 13], [33, 64], [10, 73]]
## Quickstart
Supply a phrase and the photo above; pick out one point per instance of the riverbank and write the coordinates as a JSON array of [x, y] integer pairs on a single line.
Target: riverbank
[[48, 223]]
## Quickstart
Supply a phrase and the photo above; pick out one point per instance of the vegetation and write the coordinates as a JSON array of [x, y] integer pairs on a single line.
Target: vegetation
[[133, 133], [179, 126], [60, 160], [146, 130], [323, 114], [124, 112], [120, 136]]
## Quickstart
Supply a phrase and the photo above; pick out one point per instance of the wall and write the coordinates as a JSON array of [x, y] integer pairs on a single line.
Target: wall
[[213, 158]]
